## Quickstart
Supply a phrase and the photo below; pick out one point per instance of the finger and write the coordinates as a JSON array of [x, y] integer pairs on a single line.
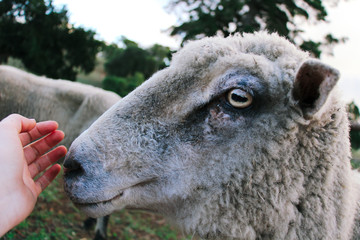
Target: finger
[[20, 123], [41, 129], [43, 181], [46, 160], [38, 148]]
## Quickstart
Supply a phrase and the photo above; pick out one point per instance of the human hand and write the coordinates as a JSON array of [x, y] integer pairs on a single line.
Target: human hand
[[21, 160]]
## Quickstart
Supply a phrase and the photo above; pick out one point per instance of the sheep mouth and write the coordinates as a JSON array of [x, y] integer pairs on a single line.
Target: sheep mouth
[[99, 203], [118, 196]]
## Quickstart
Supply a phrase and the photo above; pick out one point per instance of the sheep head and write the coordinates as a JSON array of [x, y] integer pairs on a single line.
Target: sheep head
[[233, 140]]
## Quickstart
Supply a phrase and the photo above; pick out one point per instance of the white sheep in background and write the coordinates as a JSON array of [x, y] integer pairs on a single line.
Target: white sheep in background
[[73, 105], [240, 138]]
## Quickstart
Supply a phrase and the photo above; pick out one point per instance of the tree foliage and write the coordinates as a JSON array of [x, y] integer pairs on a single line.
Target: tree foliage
[[126, 61], [122, 85], [42, 38], [128, 66], [209, 18], [354, 116]]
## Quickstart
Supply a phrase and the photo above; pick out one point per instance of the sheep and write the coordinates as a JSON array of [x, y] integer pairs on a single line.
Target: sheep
[[74, 106], [243, 137]]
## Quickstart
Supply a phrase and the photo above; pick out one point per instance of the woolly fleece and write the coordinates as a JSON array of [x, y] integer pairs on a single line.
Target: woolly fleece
[[278, 169]]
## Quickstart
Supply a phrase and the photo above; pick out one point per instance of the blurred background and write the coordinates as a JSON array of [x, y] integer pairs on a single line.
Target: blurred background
[[118, 44]]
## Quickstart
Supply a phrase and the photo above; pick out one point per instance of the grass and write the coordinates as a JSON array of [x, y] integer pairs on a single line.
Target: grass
[[56, 218], [355, 154], [355, 161], [96, 77]]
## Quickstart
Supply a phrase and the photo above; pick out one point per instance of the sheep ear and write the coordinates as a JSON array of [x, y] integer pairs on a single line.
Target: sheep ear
[[313, 83]]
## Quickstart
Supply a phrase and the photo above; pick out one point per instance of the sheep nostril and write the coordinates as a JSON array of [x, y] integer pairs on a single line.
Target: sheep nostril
[[73, 166]]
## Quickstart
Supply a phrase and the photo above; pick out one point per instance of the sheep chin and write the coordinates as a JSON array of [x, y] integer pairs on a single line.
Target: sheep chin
[[102, 208], [96, 210]]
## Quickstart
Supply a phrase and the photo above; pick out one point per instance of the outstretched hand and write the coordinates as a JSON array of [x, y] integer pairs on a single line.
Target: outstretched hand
[[22, 158]]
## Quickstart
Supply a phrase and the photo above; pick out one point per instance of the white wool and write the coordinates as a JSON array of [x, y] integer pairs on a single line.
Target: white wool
[[75, 106], [175, 146]]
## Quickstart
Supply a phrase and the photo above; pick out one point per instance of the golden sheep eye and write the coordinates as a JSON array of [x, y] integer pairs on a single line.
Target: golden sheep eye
[[238, 98]]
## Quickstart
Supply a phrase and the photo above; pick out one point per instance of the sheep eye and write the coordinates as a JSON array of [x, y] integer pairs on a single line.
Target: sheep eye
[[238, 98]]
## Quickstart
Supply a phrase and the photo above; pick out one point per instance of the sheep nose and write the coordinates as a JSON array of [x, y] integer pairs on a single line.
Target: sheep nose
[[72, 166]]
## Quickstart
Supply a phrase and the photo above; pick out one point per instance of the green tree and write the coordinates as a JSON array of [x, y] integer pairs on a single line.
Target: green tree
[[42, 38], [128, 66], [126, 61], [208, 18], [354, 116], [122, 85], [161, 55], [130, 60]]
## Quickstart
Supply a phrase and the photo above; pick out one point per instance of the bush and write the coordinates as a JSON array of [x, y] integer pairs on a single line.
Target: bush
[[354, 116], [122, 85]]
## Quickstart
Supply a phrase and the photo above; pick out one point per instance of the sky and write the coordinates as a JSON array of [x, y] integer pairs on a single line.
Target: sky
[[143, 21], [146, 22]]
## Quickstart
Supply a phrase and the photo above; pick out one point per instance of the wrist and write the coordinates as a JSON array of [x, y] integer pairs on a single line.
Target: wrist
[[12, 210]]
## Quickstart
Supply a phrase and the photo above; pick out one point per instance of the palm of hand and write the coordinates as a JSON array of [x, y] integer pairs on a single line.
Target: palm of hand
[[24, 160]]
